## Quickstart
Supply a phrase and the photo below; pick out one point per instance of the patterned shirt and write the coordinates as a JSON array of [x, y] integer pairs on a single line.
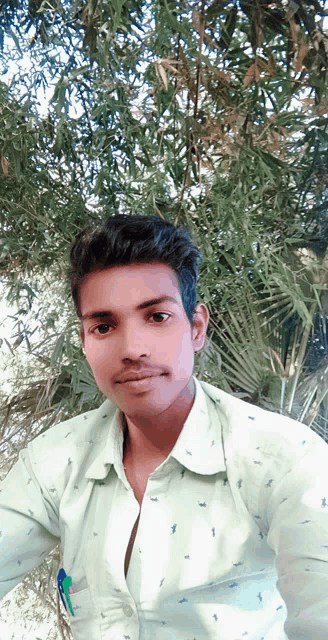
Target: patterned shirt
[[232, 542]]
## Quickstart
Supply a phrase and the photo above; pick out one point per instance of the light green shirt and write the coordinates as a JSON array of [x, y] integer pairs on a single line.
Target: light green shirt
[[233, 526]]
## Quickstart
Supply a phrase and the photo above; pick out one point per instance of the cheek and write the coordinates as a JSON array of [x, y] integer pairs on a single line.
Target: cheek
[[181, 352], [99, 362], [96, 355]]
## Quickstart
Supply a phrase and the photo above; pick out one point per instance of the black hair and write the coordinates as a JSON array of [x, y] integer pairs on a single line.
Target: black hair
[[129, 239]]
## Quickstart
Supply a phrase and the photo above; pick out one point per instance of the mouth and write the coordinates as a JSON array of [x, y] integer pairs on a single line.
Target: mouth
[[138, 379], [141, 385]]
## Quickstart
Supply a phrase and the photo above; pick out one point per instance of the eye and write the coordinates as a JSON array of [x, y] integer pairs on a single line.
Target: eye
[[160, 313], [102, 329]]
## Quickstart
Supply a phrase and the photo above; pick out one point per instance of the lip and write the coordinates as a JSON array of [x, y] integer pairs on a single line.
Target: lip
[[138, 375], [140, 385]]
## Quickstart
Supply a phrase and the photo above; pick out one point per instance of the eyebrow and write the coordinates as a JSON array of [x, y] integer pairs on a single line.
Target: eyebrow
[[142, 305]]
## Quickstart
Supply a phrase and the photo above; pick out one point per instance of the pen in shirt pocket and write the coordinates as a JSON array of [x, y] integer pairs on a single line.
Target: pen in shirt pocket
[[65, 588]]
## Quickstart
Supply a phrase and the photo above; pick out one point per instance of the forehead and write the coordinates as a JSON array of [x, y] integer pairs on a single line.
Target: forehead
[[125, 286]]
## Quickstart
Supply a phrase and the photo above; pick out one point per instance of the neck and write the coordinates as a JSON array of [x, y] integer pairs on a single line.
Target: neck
[[155, 438]]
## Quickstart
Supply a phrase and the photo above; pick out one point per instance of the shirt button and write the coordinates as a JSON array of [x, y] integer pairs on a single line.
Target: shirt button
[[127, 610]]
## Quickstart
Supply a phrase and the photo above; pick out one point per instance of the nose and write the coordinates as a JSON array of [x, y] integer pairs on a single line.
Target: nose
[[132, 344]]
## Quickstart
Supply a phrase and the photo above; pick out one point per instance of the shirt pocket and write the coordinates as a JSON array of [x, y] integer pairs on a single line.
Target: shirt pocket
[[85, 623]]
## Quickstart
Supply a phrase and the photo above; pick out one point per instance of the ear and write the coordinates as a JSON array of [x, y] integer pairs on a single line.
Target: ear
[[201, 319], [82, 336]]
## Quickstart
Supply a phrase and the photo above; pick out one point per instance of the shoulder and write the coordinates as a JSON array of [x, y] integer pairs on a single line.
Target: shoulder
[[266, 454], [62, 455], [76, 432], [247, 429]]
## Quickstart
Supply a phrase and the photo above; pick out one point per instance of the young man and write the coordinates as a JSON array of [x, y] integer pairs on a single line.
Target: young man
[[183, 512]]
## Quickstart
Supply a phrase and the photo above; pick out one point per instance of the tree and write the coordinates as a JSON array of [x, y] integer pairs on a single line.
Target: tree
[[210, 114]]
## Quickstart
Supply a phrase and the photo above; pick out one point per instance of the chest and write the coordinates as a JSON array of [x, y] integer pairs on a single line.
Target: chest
[[137, 475], [138, 479]]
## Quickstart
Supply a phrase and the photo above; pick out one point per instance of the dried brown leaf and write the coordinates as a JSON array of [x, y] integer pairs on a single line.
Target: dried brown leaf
[[294, 30], [4, 165], [301, 55], [168, 64], [196, 19], [160, 72], [250, 75], [322, 108], [223, 76]]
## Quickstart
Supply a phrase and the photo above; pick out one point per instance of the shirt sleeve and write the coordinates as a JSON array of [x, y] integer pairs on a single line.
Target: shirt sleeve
[[297, 515], [29, 524]]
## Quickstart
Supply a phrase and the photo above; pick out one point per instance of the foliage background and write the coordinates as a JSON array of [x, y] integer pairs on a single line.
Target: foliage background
[[210, 114]]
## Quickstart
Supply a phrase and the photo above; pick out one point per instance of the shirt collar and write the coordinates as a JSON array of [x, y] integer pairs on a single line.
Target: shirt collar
[[198, 447], [111, 451]]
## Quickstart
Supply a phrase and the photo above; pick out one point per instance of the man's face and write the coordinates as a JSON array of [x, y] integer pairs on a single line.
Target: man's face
[[155, 340]]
